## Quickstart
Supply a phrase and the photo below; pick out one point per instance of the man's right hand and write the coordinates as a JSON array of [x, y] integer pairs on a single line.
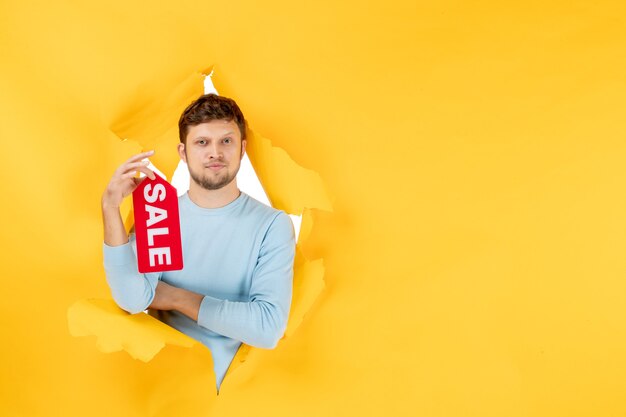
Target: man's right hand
[[124, 182]]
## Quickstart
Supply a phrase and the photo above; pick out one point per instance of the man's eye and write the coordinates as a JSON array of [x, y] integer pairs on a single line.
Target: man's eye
[[202, 142], [228, 140]]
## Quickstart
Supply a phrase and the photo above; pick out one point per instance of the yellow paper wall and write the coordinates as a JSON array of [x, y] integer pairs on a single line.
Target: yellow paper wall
[[475, 255]]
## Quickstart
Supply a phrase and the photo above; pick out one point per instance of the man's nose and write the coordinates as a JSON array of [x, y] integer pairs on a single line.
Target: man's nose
[[214, 151]]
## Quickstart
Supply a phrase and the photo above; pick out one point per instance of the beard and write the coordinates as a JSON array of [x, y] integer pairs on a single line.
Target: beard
[[214, 183]]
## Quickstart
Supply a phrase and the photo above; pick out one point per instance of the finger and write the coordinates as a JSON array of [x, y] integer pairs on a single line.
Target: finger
[[149, 173], [134, 158], [132, 167], [131, 174], [140, 156]]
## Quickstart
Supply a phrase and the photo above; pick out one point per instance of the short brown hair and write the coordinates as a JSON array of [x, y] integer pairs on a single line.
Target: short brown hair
[[210, 107]]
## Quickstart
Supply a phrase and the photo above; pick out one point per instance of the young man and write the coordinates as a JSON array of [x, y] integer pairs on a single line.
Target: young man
[[238, 253]]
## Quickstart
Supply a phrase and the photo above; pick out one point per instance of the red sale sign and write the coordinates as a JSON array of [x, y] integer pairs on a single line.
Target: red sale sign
[[157, 226]]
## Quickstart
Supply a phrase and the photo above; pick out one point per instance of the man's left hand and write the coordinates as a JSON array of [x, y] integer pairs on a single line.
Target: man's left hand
[[169, 297], [165, 297]]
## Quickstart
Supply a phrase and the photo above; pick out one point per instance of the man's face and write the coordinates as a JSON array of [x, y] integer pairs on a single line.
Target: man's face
[[213, 153]]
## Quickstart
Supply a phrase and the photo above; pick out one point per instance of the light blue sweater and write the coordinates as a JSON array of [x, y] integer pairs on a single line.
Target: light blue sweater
[[240, 257]]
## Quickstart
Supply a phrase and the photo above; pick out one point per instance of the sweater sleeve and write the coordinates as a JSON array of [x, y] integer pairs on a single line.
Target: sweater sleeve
[[260, 322], [131, 290]]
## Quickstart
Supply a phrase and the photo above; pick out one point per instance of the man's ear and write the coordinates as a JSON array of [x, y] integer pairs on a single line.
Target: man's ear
[[243, 148], [181, 152]]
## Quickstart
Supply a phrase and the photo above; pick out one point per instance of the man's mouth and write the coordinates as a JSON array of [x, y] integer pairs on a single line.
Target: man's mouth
[[215, 167]]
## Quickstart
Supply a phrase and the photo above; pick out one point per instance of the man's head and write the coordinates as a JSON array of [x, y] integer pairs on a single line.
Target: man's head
[[212, 134], [210, 107]]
